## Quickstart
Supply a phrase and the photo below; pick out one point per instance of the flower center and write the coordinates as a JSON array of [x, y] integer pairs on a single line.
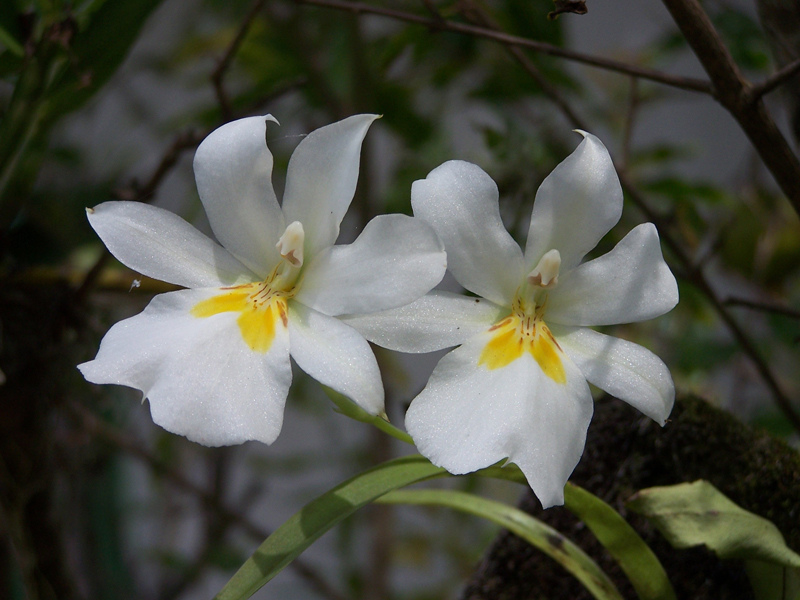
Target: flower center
[[263, 305], [524, 330]]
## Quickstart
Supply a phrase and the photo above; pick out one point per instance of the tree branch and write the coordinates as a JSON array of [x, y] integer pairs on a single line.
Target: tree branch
[[770, 83], [225, 62], [735, 94], [697, 278], [133, 191], [439, 24], [764, 307], [485, 20]]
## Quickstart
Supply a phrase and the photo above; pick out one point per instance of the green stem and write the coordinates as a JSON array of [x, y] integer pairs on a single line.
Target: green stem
[[350, 409]]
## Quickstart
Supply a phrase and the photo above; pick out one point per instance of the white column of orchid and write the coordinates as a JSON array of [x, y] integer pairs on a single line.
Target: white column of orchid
[[213, 359], [516, 387]]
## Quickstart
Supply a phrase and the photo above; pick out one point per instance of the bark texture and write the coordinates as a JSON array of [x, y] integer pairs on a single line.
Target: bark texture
[[626, 452]]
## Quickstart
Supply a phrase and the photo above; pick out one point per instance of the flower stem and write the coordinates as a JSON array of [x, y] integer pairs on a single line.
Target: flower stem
[[350, 409]]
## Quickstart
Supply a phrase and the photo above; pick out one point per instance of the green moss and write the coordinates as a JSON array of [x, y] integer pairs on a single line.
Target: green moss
[[626, 452]]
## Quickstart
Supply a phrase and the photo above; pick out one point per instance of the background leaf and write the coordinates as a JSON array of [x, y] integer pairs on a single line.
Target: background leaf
[[691, 514]]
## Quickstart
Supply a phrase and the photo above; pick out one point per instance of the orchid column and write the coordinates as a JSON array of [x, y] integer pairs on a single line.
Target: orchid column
[[213, 359]]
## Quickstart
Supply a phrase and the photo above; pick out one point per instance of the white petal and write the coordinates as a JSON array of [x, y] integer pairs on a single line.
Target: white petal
[[460, 201], [233, 169], [394, 261], [335, 355], [621, 368], [322, 177], [161, 245], [631, 283], [437, 320], [200, 377], [576, 205], [469, 417]]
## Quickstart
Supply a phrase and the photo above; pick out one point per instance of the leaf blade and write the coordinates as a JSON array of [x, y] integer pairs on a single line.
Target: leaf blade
[[535, 532], [320, 515], [693, 514], [633, 555]]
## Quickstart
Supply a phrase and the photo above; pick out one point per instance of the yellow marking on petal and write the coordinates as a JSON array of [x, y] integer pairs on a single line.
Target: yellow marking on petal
[[515, 335], [261, 312], [505, 347], [546, 350], [229, 302], [258, 326]]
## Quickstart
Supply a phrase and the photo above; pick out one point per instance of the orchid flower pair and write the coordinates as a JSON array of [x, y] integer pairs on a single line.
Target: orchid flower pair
[[213, 359]]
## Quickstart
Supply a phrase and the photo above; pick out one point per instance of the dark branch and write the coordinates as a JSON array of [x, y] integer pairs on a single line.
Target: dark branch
[[764, 307], [696, 277], [774, 80], [734, 93], [134, 191], [686, 83], [224, 63], [480, 16]]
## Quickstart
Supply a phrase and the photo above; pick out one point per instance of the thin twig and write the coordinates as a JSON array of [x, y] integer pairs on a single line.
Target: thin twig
[[98, 428], [770, 83], [686, 83], [485, 20], [696, 277], [764, 307], [433, 9], [133, 191], [183, 141], [215, 529], [224, 63], [630, 119]]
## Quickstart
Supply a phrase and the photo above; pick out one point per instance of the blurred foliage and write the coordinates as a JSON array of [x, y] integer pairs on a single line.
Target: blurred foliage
[[130, 528]]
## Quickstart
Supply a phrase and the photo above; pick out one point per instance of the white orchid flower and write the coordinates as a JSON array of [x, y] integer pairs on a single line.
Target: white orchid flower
[[213, 359], [517, 387]]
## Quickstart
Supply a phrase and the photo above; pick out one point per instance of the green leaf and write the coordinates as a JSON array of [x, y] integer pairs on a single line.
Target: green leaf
[[693, 514], [9, 29], [634, 556], [771, 581], [320, 515], [350, 409], [533, 531], [744, 38], [99, 50]]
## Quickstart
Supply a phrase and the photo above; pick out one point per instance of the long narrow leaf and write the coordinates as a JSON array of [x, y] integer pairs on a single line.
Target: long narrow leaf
[[623, 543], [536, 533], [9, 29], [320, 515]]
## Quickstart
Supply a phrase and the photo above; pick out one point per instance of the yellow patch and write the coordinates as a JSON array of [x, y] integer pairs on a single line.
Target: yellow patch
[[261, 312], [515, 335]]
